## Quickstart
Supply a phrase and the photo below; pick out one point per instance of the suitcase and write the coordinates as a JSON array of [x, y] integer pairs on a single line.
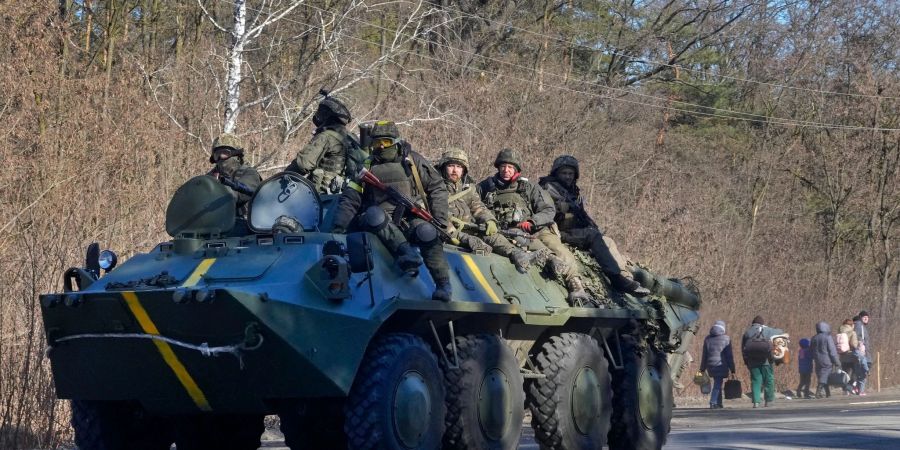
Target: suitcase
[[732, 389]]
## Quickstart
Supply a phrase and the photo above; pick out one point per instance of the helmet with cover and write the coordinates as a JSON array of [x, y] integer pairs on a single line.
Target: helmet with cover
[[508, 156], [565, 161], [227, 141], [454, 155], [331, 111]]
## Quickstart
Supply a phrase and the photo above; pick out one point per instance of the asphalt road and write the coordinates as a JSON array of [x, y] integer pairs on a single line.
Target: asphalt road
[[840, 422]]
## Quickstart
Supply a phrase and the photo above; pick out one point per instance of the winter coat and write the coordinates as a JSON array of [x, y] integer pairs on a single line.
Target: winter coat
[[824, 351], [717, 359], [851, 336], [751, 332], [804, 357]]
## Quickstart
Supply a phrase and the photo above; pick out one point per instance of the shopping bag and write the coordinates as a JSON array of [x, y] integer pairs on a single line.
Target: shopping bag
[[732, 389], [705, 388], [838, 378]]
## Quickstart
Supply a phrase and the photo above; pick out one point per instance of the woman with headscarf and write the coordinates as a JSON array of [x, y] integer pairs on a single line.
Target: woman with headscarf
[[717, 361]]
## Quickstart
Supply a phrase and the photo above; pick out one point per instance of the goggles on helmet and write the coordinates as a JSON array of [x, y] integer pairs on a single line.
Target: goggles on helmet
[[383, 142], [222, 153]]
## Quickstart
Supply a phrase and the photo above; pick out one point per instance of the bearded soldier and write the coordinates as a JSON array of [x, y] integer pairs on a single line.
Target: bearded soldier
[[579, 230], [327, 160], [521, 205], [228, 156], [396, 165], [467, 212]]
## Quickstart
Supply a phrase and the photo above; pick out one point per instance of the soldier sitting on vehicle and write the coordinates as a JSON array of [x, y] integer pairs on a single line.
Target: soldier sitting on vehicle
[[242, 180], [333, 154], [394, 163], [579, 230], [522, 206], [469, 215]]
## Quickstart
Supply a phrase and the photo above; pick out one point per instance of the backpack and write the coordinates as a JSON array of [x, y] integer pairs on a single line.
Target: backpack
[[758, 349], [355, 156], [842, 341]]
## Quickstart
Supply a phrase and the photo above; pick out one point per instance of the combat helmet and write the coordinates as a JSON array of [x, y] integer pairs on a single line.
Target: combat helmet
[[454, 155], [563, 161], [384, 129], [227, 140], [508, 156], [331, 109]]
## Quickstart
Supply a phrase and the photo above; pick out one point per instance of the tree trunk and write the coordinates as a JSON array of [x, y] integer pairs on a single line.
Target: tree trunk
[[232, 84]]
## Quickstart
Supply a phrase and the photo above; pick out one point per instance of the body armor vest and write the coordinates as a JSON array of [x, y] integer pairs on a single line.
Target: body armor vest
[[509, 204], [392, 174]]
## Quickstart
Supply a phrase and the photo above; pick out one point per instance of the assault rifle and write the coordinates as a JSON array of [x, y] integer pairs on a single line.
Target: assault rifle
[[236, 185], [511, 233], [582, 215], [401, 200]]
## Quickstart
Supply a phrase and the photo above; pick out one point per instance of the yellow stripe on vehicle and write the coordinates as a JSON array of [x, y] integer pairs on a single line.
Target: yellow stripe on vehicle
[[198, 273], [166, 351], [480, 277]]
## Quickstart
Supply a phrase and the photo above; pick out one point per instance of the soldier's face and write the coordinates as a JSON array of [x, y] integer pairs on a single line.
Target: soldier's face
[[454, 172], [221, 154], [566, 175], [506, 171]]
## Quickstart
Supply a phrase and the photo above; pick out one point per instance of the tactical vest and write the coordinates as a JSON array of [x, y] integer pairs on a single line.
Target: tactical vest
[[509, 204], [458, 201], [395, 174]]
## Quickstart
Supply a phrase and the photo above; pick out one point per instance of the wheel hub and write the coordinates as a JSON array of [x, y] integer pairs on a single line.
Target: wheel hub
[[412, 409], [649, 395], [586, 401], [494, 408]]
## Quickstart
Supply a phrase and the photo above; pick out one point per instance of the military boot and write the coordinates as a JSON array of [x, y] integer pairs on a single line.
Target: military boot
[[577, 295], [628, 285], [442, 291], [408, 259], [524, 259]]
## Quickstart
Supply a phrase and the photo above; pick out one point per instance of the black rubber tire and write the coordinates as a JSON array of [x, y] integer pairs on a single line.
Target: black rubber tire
[[370, 419], [481, 356], [562, 359], [313, 424], [628, 428], [118, 425], [219, 431]]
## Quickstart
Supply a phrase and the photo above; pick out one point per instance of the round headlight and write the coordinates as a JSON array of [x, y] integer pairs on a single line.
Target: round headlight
[[107, 260]]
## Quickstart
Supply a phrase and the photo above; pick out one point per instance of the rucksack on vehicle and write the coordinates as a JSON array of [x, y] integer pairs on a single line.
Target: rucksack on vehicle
[[758, 348], [842, 342]]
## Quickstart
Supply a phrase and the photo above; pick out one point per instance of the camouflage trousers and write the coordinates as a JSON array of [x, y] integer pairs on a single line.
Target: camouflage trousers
[[602, 248], [548, 238], [392, 236]]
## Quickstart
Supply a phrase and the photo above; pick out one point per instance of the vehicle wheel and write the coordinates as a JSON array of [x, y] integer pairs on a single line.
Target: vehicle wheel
[[484, 395], [571, 407], [642, 403], [397, 399], [313, 424], [118, 425], [217, 431]]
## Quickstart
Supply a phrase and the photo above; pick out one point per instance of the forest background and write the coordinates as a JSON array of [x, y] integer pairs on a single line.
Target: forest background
[[753, 145]]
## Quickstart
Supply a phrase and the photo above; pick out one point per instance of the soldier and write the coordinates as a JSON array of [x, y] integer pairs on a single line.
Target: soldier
[[327, 160], [519, 204], [466, 210], [242, 180], [396, 165], [579, 230]]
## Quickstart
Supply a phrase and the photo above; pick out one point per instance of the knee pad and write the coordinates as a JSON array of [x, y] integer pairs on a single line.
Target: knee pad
[[374, 219], [425, 234]]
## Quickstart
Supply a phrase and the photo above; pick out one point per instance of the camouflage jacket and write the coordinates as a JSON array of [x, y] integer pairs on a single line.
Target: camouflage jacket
[[569, 203], [517, 201], [465, 204], [249, 177], [397, 173], [323, 159]]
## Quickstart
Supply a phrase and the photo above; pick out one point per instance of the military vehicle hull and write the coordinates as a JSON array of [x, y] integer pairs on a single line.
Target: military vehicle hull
[[325, 331]]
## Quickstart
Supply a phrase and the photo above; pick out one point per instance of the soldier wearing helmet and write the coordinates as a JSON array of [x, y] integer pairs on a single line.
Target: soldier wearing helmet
[[395, 163], [579, 230], [228, 156], [469, 215], [522, 206], [325, 160]]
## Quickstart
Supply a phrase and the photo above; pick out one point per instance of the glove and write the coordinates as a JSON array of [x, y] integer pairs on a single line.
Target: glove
[[459, 223], [490, 228], [525, 225]]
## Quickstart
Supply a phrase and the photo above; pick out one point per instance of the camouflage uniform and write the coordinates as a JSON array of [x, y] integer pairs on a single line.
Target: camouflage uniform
[[579, 230], [397, 228], [234, 168], [466, 206], [521, 200], [324, 159]]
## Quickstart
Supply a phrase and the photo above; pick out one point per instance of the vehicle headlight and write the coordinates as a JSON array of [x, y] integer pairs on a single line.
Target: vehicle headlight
[[107, 260]]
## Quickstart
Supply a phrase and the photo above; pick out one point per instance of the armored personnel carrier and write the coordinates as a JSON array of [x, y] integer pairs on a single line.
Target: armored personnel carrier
[[195, 341]]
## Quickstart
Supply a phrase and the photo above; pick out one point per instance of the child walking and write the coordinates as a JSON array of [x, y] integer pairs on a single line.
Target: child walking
[[805, 366]]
